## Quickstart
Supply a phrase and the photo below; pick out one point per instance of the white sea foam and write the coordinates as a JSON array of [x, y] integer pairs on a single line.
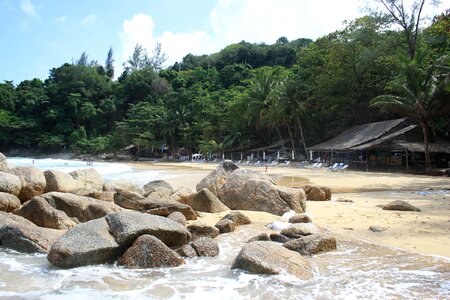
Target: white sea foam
[[109, 171]]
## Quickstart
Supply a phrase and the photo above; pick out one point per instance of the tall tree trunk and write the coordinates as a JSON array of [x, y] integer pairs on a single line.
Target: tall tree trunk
[[425, 132], [291, 137], [279, 133], [300, 127]]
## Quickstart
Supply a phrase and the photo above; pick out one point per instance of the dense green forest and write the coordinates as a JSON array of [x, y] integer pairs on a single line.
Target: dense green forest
[[245, 96]]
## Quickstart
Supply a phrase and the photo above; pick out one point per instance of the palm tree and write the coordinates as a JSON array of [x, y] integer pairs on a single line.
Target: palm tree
[[261, 97], [421, 93]]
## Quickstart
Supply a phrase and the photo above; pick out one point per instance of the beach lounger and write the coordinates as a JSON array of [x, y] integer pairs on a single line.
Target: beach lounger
[[343, 168], [333, 166]]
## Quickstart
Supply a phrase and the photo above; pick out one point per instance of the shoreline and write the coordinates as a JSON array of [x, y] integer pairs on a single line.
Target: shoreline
[[426, 232]]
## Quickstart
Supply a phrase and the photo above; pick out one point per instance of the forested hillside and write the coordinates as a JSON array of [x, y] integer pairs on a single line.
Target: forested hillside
[[245, 96]]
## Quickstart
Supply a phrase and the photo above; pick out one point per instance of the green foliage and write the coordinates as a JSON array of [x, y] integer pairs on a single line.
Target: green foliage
[[242, 97]]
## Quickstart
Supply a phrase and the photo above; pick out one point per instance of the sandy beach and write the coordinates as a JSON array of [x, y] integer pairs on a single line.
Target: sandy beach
[[425, 232]]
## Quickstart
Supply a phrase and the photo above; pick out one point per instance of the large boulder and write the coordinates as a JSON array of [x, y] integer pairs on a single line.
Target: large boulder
[[3, 163], [165, 207], [10, 183], [82, 208], [126, 226], [400, 206], [149, 252], [217, 178], [8, 202], [271, 258], [58, 181], [41, 213], [86, 244], [317, 193], [128, 199], [206, 201], [181, 195], [19, 234], [160, 186], [90, 178], [155, 206], [312, 244], [248, 190], [112, 185], [32, 180]]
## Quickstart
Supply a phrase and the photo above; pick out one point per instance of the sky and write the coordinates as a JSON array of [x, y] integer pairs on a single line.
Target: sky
[[38, 35]]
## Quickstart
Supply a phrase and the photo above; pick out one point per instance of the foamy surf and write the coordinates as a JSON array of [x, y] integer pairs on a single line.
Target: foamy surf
[[356, 270], [109, 171]]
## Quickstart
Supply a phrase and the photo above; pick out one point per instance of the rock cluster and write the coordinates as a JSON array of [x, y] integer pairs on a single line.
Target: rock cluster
[[79, 219]]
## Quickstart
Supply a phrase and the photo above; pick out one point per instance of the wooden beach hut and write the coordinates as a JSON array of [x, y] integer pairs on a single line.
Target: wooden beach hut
[[388, 144]]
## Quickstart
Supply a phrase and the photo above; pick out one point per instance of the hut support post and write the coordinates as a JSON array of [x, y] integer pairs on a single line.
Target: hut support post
[[407, 163], [367, 160]]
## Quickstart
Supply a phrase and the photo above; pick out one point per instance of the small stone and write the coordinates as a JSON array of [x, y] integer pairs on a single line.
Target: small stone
[[377, 228], [300, 218], [260, 237], [205, 246], [225, 226], [178, 217], [279, 238]]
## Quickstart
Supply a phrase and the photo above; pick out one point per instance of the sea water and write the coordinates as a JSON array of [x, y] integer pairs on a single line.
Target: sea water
[[108, 170], [356, 270]]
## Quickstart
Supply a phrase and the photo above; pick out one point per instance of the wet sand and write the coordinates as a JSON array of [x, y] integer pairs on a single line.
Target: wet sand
[[425, 232]]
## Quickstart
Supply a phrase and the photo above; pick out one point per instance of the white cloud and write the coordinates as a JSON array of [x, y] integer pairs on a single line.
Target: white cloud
[[28, 8], [61, 19], [231, 21], [89, 20]]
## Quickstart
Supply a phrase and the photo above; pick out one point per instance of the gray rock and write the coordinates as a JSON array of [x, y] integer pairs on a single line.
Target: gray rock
[[187, 251], [317, 193], [88, 243], [91, 193], [160, 207], [248, 190], [149, 252], [279, 238], [199, 229], [41, 213], [400, 206], [181, 195], [377, 228], [260, 237], [160, 186], [3, 163], [312, 244], [271, 258], [344, 200], [300, 229], [225, 226], [165, 207], [206, 201], [237, 218], [112, 185], [127, 226], [8, 202], [217, 178], [178, 217], [32, 180], [205, 246], [128, 199], [90, 178], [21, 235], [10, 183], [58, 181], [300, 218], [82, 208]]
